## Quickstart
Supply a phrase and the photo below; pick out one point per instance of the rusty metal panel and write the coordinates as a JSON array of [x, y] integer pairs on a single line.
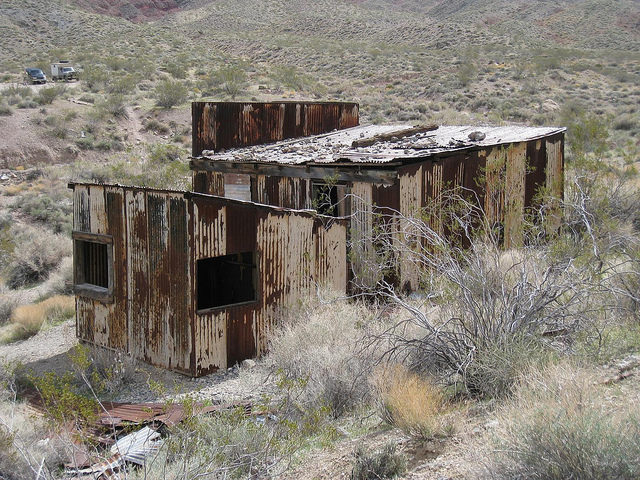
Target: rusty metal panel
[[117, 322], [555, 165], [412, 198], [514, 194], [496, 161], [204, 129], [361, 232], [331, 256], [554, 180], [138, 271], [211, 183], [241, 334], [81, 211], [225, 125], [180, 323], [210, 344], [285, 192]]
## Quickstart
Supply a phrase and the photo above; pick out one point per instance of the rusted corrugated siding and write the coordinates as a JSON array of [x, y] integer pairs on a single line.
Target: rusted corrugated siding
[[98, 209], [211, 183], [148, 315], [294, 251], [514, 194], [554, 179], [223, 125], [286, 192]]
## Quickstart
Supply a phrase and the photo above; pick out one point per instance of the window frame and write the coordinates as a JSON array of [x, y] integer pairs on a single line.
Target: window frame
[[256, 286], [342, 190], [103, 294]]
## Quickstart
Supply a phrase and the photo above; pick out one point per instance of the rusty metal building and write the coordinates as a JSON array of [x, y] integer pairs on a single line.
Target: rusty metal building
[[400, 167], [192, 282]]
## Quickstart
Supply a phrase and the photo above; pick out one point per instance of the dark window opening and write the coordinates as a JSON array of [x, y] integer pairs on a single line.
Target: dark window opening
[[226, 280], [325, 199], [93, 260], [93, 263]]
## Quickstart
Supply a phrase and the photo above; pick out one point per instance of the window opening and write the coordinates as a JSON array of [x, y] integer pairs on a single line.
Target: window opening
[[325, 199], [227, 280], [93, 261]]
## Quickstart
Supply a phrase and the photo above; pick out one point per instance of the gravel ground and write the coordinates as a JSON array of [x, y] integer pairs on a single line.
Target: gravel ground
[[48, 352]]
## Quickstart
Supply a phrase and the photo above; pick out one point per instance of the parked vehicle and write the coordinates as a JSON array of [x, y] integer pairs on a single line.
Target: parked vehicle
[[63, 70], [34, 75]]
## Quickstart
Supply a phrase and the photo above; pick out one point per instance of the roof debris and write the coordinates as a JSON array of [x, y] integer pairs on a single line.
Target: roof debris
[[375, 144]]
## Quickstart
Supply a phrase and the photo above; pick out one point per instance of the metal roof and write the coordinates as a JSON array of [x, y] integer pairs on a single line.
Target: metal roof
[[339, 147]]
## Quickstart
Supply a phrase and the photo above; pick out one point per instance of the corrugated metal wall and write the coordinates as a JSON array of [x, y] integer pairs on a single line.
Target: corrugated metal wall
[[223, 125], [158, 236], [505, 179], [295, 252], [149, 315]]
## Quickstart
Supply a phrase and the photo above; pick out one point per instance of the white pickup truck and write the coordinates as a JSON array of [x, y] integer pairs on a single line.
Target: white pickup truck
[[63, 70]]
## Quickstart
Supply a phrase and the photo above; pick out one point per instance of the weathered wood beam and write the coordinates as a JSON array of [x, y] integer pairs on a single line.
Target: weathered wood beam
[[343, 174]]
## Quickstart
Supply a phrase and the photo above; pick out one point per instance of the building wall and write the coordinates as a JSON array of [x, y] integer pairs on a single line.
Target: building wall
[[158, 237], [504, 178], [224, 125], [149, 313], [295, 252]]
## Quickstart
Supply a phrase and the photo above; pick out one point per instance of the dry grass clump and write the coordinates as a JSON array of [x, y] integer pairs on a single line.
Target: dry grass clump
[[321, 344], [560, 425], [27, 320], [384, 463], [414, 404]]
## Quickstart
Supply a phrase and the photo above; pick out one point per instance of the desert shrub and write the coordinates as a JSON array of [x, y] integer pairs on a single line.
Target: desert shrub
[[112, 106], [17, 91], [94, 78], [559, 425], [625, 122], [227, 445], [8, 302], [496, 367], [122, 85], [60, 281], [153, 125], [413, 404], [47, 95], [27, 320], [25, 446], [37, 253], [319, 344], [170, 93], [52, 208], [27, 103], [374, 465], [166, 153], [5, 109], [232, 80], [479, 303], [105, 371]]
